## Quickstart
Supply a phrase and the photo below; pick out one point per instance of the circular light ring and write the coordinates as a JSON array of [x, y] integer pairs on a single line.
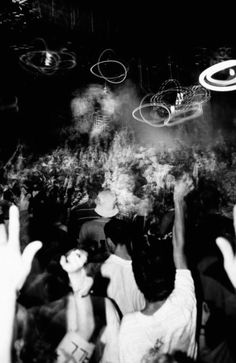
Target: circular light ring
[[200, 94], [67, 64], [153, 105], [187, 96], [180, 117], [227, 82], [152, 113], [116, 79], [206, 77], [28, 59], [144, 99], [170, 80], [67, 60], [142, 118], [62, 60], [105, 51]]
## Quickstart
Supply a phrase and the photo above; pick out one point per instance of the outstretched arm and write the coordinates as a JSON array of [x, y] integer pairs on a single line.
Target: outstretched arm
[[73, 264], [14, 268], [228, 254], [182, 187]]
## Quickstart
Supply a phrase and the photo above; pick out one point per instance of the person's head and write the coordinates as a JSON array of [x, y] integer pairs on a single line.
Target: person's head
[[45, 328], [106, 204], [154, 269], [95, 255], [118, 232]]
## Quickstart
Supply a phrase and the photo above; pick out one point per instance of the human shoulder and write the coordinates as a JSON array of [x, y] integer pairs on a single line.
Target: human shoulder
[[114, 259], [131, 317]]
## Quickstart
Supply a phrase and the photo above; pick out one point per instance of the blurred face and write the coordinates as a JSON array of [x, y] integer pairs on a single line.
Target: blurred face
[[77, 258]]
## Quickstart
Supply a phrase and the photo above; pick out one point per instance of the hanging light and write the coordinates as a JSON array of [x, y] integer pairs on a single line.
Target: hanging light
[[207, 77]]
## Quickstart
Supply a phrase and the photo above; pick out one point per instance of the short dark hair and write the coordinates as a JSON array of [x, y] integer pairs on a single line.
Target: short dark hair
[[154, 269], [119, 231], [97, 250]]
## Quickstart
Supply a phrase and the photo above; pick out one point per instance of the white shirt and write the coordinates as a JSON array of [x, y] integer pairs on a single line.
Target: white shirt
[[110, 335], [172, 327], [122, 287]]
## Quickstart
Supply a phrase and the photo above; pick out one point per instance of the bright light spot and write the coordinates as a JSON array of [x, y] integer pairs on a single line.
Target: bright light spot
[[172, 109]]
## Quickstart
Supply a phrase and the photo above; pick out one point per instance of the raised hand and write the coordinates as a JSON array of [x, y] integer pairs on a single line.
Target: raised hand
[[73, 263], [24, 200], [183, 187], [14, 266], [228, 254]]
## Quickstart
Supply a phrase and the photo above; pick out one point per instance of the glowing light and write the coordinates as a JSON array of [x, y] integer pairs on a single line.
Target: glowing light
[[200, 94], [172, 106], [115, 79], [48, 58], [94, 109], [180, 117], [158, 114], [100, 125], [207, 80], [47, 62], [172, 109], [9, 104]]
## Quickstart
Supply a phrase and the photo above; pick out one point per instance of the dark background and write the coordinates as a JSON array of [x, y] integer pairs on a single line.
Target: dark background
[[155, 40]]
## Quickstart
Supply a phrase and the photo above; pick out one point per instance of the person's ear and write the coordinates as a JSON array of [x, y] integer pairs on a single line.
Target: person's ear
[[110, 244]]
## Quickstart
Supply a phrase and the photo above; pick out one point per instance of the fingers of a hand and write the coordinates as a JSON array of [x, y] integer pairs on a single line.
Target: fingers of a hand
[[3, 234], [77, 257], [14, 225], [67, 264], [63, 261], [29, 252], [73, 259], [226, 250], [77, 261], [27, 257]]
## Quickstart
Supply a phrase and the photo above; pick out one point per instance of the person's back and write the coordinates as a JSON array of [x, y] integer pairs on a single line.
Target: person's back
[[122, 287], [92, 231], [168, 321], [92, 319], [170, 327], [105, 209]]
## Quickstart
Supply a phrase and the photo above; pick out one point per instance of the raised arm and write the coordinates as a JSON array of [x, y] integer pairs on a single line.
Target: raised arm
[[73, 264], [14, 268], [228, 254], [182, 187]]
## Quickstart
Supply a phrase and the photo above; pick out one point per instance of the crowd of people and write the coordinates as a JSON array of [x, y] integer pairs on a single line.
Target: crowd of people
[[103, 288]]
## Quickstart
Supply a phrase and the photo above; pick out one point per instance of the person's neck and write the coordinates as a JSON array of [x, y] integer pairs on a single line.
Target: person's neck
[[121, 251], [151, 307]]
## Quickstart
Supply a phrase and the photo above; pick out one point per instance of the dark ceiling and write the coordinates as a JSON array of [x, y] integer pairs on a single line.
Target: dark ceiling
[[155, 41]]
